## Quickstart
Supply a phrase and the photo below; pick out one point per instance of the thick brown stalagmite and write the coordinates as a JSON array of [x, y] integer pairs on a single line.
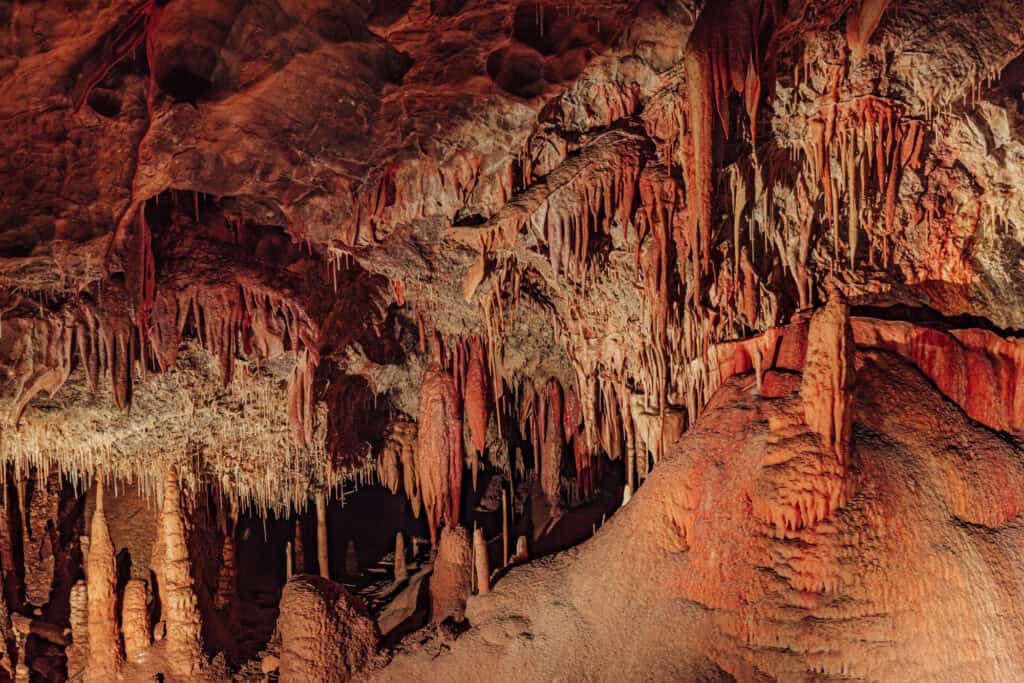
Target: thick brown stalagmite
[[522, 551], [326, 633], [401, 566], [78, 651], [505, 541], [7, 565], [181, 611], [6, 635], [481, 562], [298, 550], [439, 447], [226, 598], [36, 539], [157, 558], [452, 580], [105, 660], [829, 375], [321, 536], [553, 444], [135, 619]]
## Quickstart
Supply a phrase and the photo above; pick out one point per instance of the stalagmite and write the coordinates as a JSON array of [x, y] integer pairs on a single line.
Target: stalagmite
[[522, 553], [322, 550], [38, 548], [78, 651], [351, 560], [288, 571], [226, 597], [7, 564], [181, 611], [504, 528], [452, 580], [552, 445], [401, 562], [157, 559], [829, 376], [298, 549], [482, 562], [105, 660], [135, 619], [326, 633]]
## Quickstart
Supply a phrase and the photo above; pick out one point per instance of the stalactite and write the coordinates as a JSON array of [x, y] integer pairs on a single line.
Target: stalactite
[[181, 611], [476, 395], [135, 619], [300, 397], [388, 472], [699, 179], [105, 658], [439, 446], [861, 23]]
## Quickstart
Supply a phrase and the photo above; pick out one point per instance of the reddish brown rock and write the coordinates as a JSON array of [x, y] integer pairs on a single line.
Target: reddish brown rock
[[325, 632], [452, 581]]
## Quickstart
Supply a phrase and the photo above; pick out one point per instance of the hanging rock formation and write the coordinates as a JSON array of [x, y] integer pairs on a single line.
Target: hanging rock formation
[[439, 447]]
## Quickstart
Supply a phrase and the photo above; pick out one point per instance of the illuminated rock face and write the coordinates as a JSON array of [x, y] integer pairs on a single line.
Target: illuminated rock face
[[738, 267], [722, 554]]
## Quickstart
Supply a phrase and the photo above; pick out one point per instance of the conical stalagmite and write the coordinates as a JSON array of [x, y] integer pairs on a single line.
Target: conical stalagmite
[[322, 554], [181, 611], [829, 376], [298, 549], [452, 581], [36, 537], [401, 565], [78, 651], [135, 619], [105, 660], [522, 553], [482, 562]]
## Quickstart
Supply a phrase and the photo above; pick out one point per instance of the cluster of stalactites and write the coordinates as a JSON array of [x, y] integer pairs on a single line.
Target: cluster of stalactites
[[230, 321], [859, 149]]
